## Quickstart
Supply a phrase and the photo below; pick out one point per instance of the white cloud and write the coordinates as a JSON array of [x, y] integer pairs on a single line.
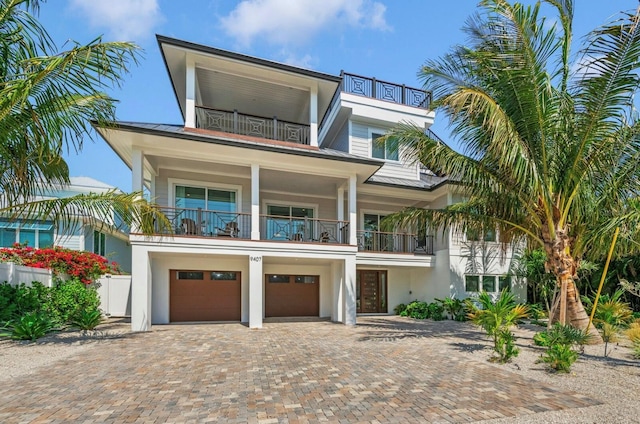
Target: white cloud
[[307, 61], [294, 22], [123, 20]]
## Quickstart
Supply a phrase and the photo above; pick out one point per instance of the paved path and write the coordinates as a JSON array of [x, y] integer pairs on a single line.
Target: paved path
[[383, 370]]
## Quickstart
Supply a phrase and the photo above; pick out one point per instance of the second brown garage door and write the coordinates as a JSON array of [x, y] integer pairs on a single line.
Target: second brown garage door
[[204, 296], [292, 295]]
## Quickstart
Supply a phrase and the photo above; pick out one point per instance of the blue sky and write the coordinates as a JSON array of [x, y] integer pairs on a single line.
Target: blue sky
[[386, 39]]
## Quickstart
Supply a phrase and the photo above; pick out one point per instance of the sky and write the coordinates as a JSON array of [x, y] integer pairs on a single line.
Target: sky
[[386, 39]]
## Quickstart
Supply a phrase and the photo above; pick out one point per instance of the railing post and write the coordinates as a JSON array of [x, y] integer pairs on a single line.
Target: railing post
[[403, 96], [235, 121], [275, 128], [373, 88]]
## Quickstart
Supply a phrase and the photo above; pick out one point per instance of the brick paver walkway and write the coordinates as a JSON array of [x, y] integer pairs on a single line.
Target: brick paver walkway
[[383, 370]]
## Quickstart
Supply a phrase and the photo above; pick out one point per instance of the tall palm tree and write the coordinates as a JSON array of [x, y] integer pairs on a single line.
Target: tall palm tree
[[550, 145], [47, 100]]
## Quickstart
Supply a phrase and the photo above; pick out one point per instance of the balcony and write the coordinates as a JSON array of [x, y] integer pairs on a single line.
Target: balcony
[[250, 125], [303, 230], [381, 242]]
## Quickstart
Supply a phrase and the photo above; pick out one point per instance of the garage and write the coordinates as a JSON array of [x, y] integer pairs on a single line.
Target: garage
[[204, 296], [292, 295]]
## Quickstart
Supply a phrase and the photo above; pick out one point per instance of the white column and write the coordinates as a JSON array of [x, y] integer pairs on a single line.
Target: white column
[[340, 214], [353, 222], [350, 290], [190, 104], [255, 291], [337, 311], [140, 289], [255, 202], [137, 182], [313, 116]]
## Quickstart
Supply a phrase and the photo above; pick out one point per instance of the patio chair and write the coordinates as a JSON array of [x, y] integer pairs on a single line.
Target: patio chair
[[188, 226], [230, 230]]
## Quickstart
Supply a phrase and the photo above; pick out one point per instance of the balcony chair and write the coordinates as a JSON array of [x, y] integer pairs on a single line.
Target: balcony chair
[[189, 226], [230, 230]]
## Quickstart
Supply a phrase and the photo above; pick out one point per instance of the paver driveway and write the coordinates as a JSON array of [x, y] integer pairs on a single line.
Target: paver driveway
[[385, 369]]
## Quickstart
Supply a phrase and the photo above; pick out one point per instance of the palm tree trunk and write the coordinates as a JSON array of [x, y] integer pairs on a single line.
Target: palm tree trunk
[[575, 314]]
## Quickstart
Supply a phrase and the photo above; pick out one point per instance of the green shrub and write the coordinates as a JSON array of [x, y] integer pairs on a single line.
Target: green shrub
[[610, 310], [398, 310], [7, 302], [455, 308], [87, 319], [561, 334], [31, 299], [496, 318], [636, 315], [69, 299], [30, 326], [435, 311], [417, 310], [559, 357]]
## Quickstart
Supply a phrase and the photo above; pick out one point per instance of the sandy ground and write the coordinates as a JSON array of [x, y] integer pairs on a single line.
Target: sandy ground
[[614, 381]]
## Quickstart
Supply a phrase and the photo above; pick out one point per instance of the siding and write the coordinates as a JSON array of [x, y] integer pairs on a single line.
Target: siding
[[341, 141], [360, 140], [69, 237], [360, 145]]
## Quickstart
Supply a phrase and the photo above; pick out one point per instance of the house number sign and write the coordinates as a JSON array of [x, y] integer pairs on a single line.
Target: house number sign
[[255, 258]]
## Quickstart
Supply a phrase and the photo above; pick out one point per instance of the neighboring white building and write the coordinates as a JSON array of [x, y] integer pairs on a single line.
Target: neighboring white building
[[81, 234], [275, 190]]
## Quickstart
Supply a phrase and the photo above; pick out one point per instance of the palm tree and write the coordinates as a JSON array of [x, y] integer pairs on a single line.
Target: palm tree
[[550, 144], [48, 99]]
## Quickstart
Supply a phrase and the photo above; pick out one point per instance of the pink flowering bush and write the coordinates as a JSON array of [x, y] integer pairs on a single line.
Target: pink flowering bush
[[83, 266]]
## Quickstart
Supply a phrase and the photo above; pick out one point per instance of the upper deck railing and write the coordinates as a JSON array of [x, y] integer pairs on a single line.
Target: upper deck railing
[[256, 126], [380, 90]]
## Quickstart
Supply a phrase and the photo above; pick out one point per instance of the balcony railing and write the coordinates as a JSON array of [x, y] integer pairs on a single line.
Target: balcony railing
[[381, 90], [377, 241], [204, 223], [303, 230], [256, 126]]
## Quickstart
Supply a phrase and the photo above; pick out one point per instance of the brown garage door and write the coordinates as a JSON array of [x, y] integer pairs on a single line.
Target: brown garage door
[[204, 296], [292, 295]]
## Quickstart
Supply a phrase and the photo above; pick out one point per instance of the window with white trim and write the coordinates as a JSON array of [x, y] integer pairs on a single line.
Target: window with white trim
[[382, 150], [34, 234], [99, 243], [487, 283]]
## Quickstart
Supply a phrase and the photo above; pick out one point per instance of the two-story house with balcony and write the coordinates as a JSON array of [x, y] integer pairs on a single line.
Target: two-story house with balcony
[[275, 189]]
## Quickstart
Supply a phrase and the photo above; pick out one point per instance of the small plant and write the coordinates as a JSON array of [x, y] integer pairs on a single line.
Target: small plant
[[559, 357], [30, 326], [436, 311], [454, 308], [71, 298], [417, 310], [610, 310], [497, 318], [561, 341], [609, 333], [398, 310], [87, 320]]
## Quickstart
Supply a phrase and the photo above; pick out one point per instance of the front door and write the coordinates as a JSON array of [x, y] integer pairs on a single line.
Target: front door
[[371, 291]]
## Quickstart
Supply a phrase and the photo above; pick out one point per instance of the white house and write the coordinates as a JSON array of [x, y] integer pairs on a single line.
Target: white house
[[80, 234], [276, 191]]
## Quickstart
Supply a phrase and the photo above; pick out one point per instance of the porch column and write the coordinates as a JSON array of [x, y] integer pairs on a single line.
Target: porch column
[[137, 181], [337, 311], [313, 116], [140, 289], [340, 214], [353, 222], [255, 291], [255, 202], [190, 104], [349, 293]]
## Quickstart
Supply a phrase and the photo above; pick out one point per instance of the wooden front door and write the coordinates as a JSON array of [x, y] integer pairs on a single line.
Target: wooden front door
[[371, 291]]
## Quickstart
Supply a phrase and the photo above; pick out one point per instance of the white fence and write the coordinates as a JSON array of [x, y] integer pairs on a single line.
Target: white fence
[[115, 295], [114, 290], [17, 274]]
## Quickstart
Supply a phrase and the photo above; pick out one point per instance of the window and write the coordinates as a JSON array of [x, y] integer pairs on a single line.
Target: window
[[472, 283], [279, 279], [224, 276], [489, 283], [190, 275], [489, 236], [504, 282], [205, 198], [305, 279], [99, 243], [382, 150], [34, 234]]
